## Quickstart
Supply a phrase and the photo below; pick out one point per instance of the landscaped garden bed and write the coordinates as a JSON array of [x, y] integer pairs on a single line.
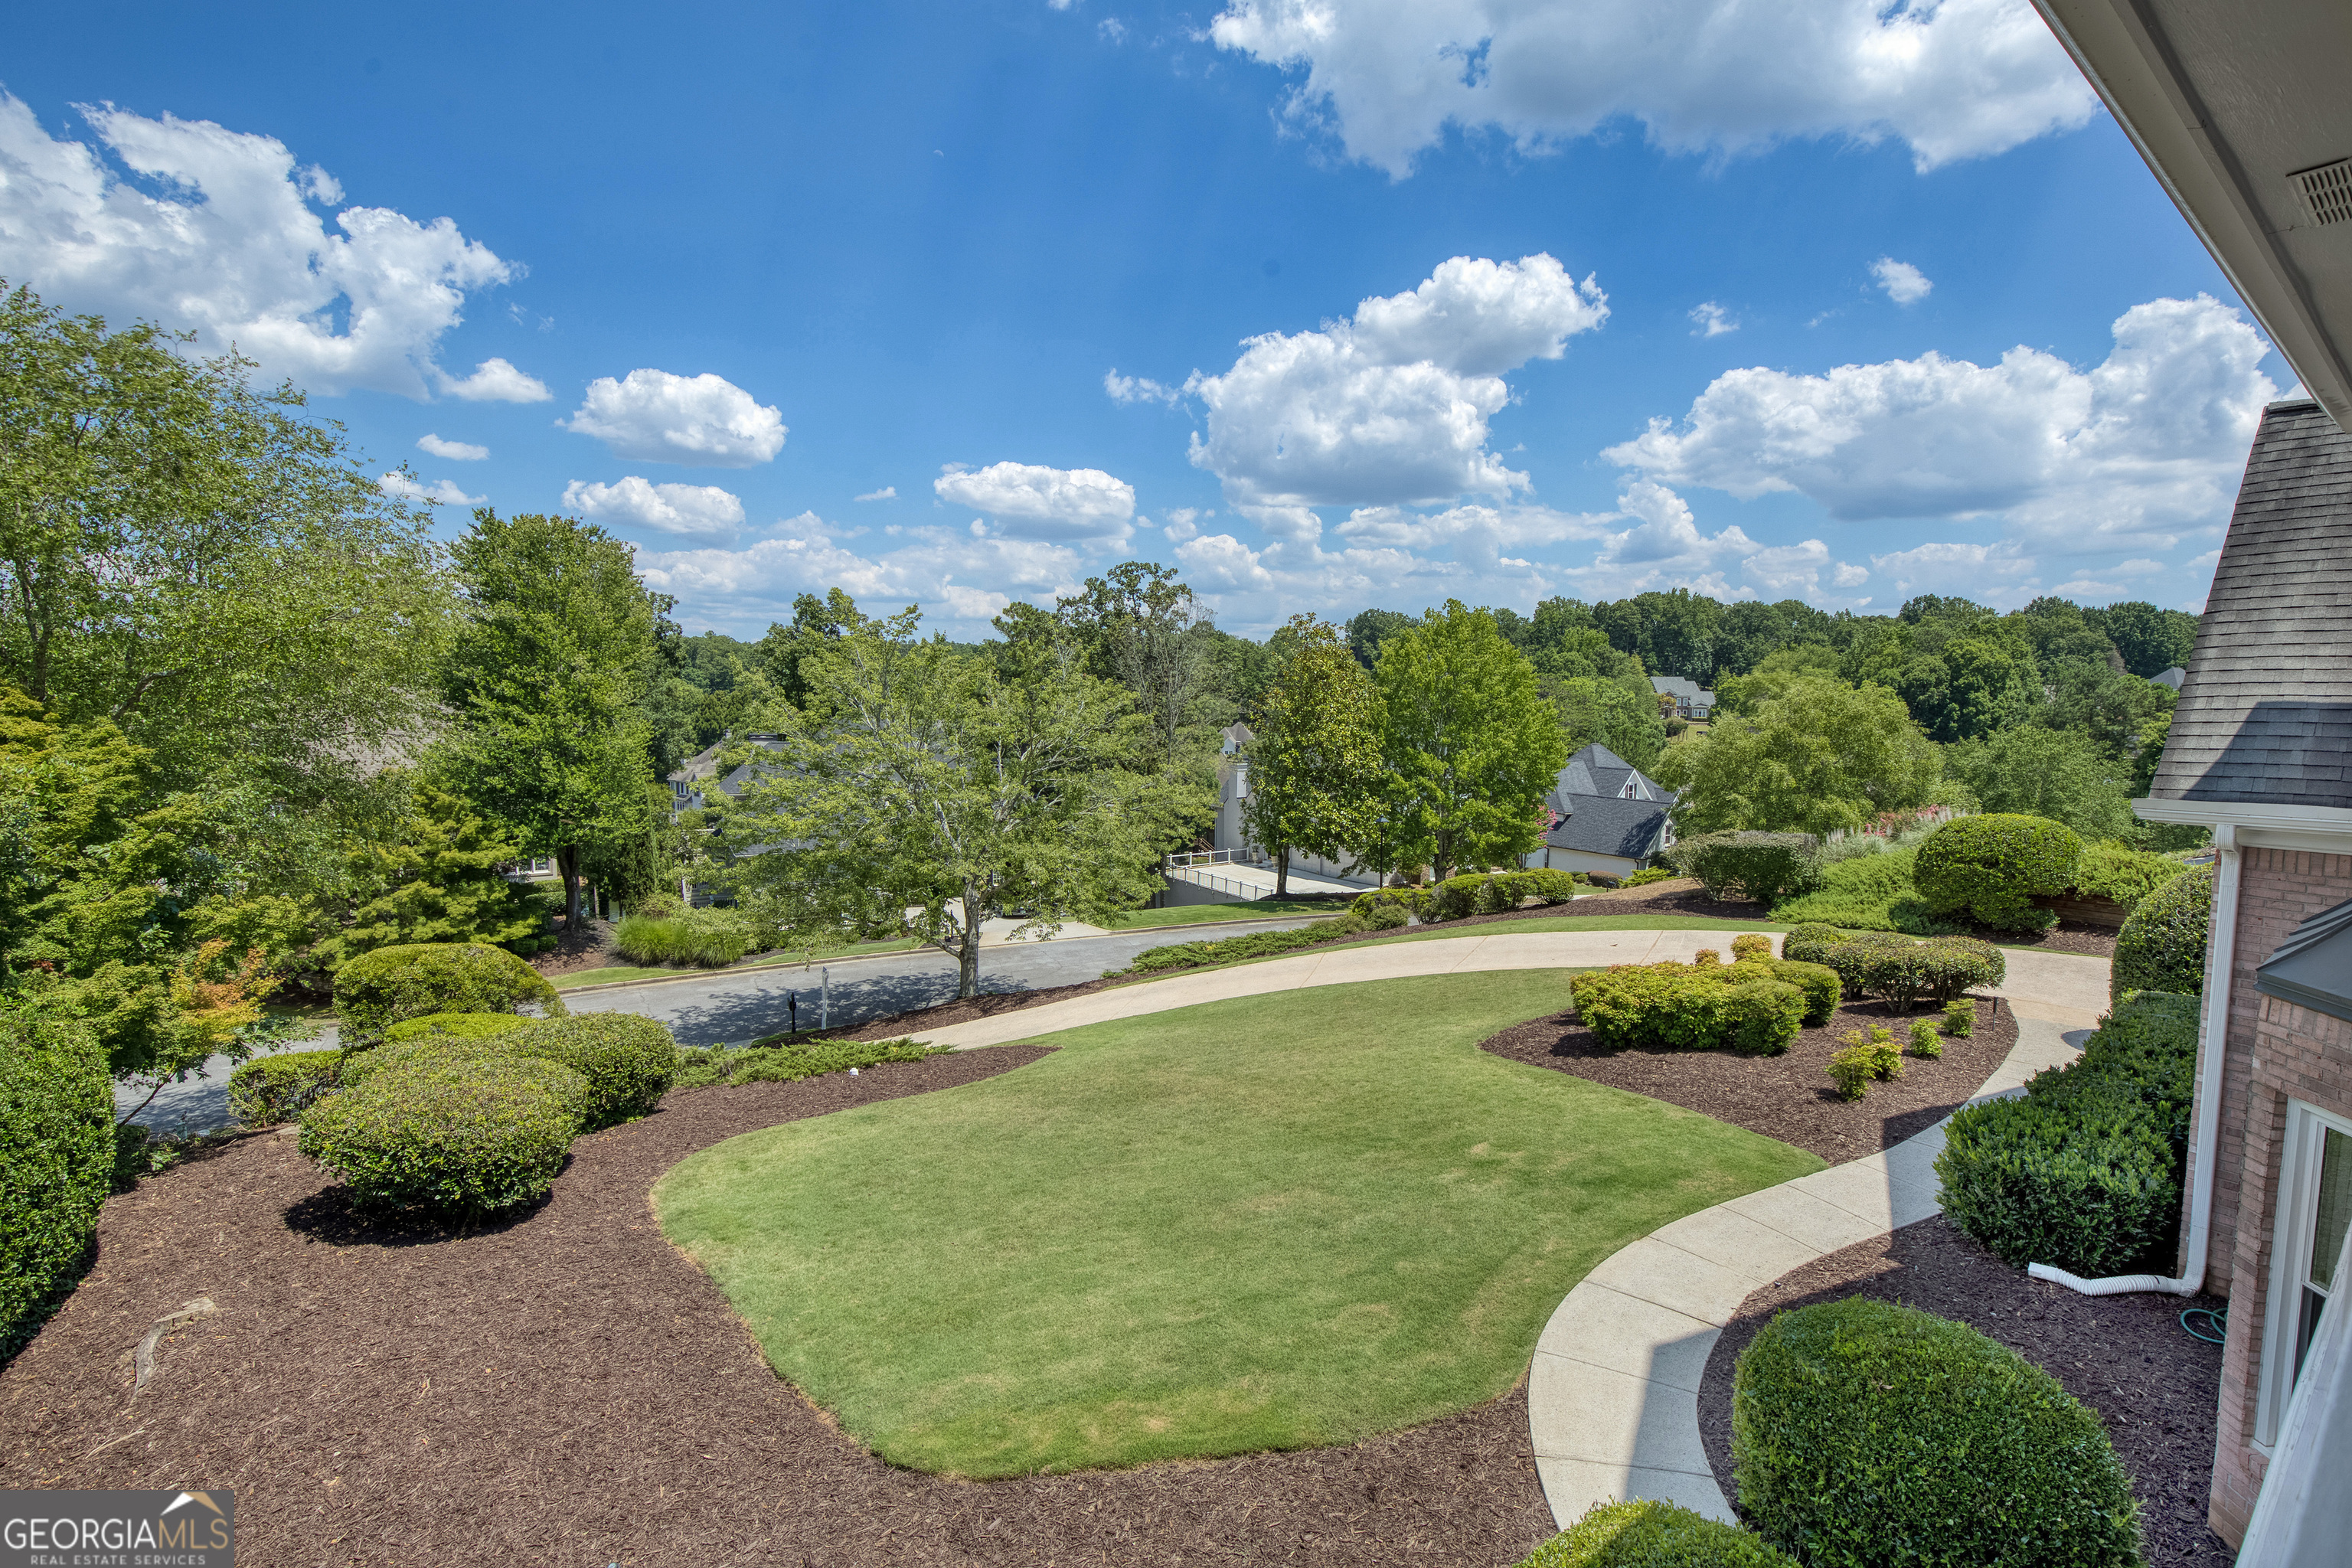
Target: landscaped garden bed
[[1788, 1097], [2127, 1357]]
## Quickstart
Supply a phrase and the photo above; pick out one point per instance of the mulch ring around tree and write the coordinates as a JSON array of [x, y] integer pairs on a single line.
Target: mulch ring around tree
[[2152, 1383], [1788, 1097], [565, 1388]]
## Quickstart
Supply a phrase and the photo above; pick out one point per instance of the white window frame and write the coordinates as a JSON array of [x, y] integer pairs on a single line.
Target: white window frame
[[2291, 1242]]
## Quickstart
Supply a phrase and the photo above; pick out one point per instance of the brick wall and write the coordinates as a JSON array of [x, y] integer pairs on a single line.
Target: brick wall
[[2276, 1051]]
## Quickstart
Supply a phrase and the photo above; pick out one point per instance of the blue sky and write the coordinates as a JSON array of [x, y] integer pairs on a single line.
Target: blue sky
[[732, 268]]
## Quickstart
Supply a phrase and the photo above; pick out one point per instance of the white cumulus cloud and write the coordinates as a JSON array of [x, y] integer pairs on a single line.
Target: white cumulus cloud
[[888, 493], [455, 451], [496, 380], [1710, 320], [2129, 454], [1390, 407], [701, 421], [692, 511], [219, 234], [1044, 503], [1137, 389], [1957, 80], [440, 493], [1905, 284]]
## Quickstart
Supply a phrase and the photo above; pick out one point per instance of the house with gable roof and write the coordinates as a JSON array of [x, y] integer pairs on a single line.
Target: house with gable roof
[[1608, 816]]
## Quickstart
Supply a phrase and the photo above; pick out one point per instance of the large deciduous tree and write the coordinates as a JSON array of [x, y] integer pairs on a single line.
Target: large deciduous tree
[[2063, 774], [1819, 755], [1627, 722], [960, 786], [1315, 761], [547, 675], [1469, 742], [1143, 627]]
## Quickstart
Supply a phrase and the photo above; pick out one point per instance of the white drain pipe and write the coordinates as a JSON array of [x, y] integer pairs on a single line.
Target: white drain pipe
[[2219, 963]]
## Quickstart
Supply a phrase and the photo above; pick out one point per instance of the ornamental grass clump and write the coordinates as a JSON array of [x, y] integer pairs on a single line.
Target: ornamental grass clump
[[454, 1129], [1653, 1534], [703, 939], [1989, 868], [1867, 1434]]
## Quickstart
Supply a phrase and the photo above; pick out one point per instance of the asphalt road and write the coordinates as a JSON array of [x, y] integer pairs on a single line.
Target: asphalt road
[[716, 1008]]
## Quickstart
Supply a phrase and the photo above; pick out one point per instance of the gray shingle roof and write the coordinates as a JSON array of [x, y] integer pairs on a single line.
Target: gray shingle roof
[[1602, 825], [2265, 715]]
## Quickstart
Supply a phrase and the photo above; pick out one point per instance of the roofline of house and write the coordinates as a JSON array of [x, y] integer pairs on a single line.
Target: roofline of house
[[2320, 828]]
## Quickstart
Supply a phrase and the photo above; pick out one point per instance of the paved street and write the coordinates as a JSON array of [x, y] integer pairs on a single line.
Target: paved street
[[708, 1009]]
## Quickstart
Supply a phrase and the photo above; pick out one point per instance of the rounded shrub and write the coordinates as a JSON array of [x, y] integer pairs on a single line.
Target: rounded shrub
[[2162, 945], [1894, 968], [56, 1163], [1865, 1435], [267, 1091], [627, 1060], [462, 1026], [1769, 867], [1761, 1017], [1820, 984], [1990, 868], [449, 1128], [1653, 1536], [379, 989], [1692, 1007], [358, 1067]]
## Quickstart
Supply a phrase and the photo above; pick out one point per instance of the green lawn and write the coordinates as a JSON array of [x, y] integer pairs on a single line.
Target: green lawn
[[1254, 910], [1268, 1223]]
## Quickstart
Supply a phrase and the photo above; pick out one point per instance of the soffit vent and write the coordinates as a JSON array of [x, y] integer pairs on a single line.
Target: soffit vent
[[2326, 192]]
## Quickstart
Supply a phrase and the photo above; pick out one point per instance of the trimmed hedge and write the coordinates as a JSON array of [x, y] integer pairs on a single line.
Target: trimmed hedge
[[464, 1026], [1485, 893], [1769, 867], [267, 1091], [359, 1067], [452, 1127], [1823, 988], [1866, 1435], [379, 989], [2123, 875], [1653, 1536], [2162, 945], [1990, 868], [1257, 945], [1894, 968], [2085, 1172], [56, 1165], [628, 1060], [1692, 1007], [703, 1066]]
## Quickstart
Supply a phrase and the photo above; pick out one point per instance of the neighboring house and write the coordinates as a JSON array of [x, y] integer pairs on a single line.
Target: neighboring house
[[1607, 816], [1691, 701], [691, 783], [2172, 678]]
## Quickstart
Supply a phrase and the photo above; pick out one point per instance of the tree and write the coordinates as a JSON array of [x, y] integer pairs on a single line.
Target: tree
[[1603, 711], [184, 557], [1470, 745], [2064, 776], [956, 788], [1314, 763], [2150, 640], [439, 878], [546, 678], [1369, 630], [1675, 633], [1973, 687], [1141, 627], [1751, 630], [817, 623], [1821, 755], [2109, 706]]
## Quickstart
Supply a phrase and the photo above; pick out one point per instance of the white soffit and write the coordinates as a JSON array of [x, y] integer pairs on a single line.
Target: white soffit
[[2242, 107]]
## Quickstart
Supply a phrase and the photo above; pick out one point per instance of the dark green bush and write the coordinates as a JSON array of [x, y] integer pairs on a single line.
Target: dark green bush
[[1761, 1017], [703, 1066], [56, 1163], [1893, 968], [2085, 1172], [1769, 867], [1408, 900], [267, 1091], [380, 988], [448, 1127], [1257, 945], [1653, 1536], [1380, 914], [1808, 942], [1866, 1435], [358, 1067], [628, 1060], [1990, 868], [2123, 875], [465, 1025], [2162, 945], [1823, 989]]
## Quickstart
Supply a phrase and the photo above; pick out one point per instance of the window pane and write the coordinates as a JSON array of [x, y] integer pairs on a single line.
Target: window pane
[[2334, 1207]]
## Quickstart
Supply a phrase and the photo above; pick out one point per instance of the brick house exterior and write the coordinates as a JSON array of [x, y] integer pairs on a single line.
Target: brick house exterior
[[2260, 752]]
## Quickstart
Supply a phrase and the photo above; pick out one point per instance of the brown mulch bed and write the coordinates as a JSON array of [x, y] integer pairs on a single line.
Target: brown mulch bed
[[1788, 1097], [2127, 1357], [565, 1388]]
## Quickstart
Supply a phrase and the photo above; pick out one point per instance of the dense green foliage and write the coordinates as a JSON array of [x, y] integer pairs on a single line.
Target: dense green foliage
[[436, 878], [455, 1128], [1867, 1434], [1769, 867], [1315, 764], [781, 1059], [1653, 1536], [706, 939], [2123, 875], [1620, 714], [56, 1163], [628, 1061], [1990, 868], [1695, 1007], [1889, 967], [1227, 949], [2085, 1172], [267, 1091], [1821, 756], [2162, 945], [1869, 892], [383, 987], [2064, 775], [462, 1026]]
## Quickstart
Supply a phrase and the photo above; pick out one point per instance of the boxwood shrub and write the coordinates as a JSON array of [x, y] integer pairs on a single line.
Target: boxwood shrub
[[2123, 875], [267, 1091], [1990, 868], [2085, 1172], [2162, 945], [1822, 987], [1866, 1435], [627, 1060], [1769, 867], [1692, 1007], [464, 1026], [451, 1128], [56, 1163], [379, 989], [1893, 968], [1653, 1536]]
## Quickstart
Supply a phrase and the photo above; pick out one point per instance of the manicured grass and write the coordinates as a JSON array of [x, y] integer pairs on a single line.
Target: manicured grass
[[1254, 910], [1267, 1223]]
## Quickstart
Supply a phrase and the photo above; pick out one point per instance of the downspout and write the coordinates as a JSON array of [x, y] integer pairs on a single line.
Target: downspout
[[2220, 962]]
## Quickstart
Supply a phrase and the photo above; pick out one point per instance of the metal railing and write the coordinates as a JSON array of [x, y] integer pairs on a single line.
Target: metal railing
[[1186, 861]]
